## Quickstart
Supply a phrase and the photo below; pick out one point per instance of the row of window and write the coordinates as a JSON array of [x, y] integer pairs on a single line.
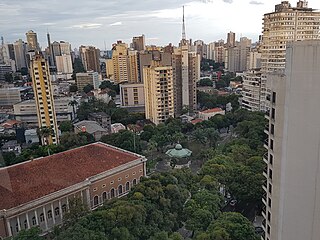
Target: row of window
[[113, 193], [42, 217]]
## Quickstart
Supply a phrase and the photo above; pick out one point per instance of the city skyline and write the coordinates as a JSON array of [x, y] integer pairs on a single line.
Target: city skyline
[[91, 24]]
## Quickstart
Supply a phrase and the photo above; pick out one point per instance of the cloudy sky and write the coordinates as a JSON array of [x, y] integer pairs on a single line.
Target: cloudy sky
[[95, 22]]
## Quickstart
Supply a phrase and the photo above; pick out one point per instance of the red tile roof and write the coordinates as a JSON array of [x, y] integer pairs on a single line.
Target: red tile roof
[[212, 110], [197, 120], [31, 180]]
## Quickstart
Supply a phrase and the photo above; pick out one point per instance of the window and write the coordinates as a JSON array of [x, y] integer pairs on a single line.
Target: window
[[64, 208], [269, 202], [56, 211], [119, 179], [274, 95], [134, 182], [112, 182], [268, 229], [271, 159], [270, 174], [112, 193], [273, 113], [95, 189], [270, 188], [127, 186], [134, 173], [34, 221], [104, 185], [269, 216], [272, 129], [120, 190], [95, 200], [41, 217], [104, 196], [140, 170], [271, 144], [17, 228], [127, 176], [49, 214], [25, 224]]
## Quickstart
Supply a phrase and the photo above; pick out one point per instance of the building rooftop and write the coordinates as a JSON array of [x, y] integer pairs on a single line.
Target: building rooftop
[[213, 110], [89, 126], [22, 183]]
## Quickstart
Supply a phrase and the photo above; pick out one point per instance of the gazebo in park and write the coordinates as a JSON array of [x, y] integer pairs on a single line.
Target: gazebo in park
[[179, 156]]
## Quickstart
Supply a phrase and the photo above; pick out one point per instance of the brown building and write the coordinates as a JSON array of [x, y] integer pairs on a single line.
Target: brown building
[[90, 58], [37, 192]]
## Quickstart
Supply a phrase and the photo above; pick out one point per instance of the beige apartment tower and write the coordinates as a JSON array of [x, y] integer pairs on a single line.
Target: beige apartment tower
[[159, 93], [44, 100], [124, 64], [286, 24], [90, 58], [292, 187]]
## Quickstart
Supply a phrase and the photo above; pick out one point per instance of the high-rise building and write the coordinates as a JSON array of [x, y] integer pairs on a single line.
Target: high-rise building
[[286, 24], [65, 48], [186, 65], [147, 57], [138, 43], [159, 92], [292, 188], [64, 64], [251, 90], [90, 58], [231, 39], [20, 54], [44, 100], [238, 55], [32, 41], [83, 79], [125, 65]]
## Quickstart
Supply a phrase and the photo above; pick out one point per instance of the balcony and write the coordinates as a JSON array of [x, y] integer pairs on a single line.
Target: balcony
[[266, 144], [266, 129], [264, 198], [265, 158]]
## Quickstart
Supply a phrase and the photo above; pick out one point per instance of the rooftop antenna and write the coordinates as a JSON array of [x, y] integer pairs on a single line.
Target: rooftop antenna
[[183, 26]]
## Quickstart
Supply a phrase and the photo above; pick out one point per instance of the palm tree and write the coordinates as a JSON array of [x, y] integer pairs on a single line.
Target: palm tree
[[73, 103], [45, 133]]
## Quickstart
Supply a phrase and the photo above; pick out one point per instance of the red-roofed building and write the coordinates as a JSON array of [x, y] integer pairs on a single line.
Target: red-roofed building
[[206, 114], [195, 121], [37, 192]]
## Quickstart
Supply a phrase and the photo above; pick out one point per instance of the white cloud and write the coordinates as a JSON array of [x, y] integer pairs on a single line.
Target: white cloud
[[116, 24], [87, 25]]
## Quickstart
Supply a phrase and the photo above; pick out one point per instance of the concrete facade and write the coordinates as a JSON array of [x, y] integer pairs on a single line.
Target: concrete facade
[[292, 198]]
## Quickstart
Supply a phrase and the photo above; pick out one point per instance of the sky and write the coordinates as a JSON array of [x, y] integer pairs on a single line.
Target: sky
[[102, 22]]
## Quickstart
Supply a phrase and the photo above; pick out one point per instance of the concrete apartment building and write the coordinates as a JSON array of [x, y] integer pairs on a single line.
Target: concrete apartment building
[[139, 43], [94, 173], [159, 92], [44, 98], [292, 188], [251, 88], [83, 79], [132, 95], [124, 65], [90, 58], [9, 96], [26, 111], [64, 64], [286, 24]]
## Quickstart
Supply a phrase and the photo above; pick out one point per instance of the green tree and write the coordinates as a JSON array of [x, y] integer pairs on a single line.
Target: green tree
[[77, 209], [31, 234], [73, 88], [88, 88], [205, 82], [8, 77], [66, 126], [233, 226]]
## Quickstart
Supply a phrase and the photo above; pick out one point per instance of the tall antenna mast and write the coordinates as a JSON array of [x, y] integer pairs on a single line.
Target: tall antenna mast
[[183, 26]]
